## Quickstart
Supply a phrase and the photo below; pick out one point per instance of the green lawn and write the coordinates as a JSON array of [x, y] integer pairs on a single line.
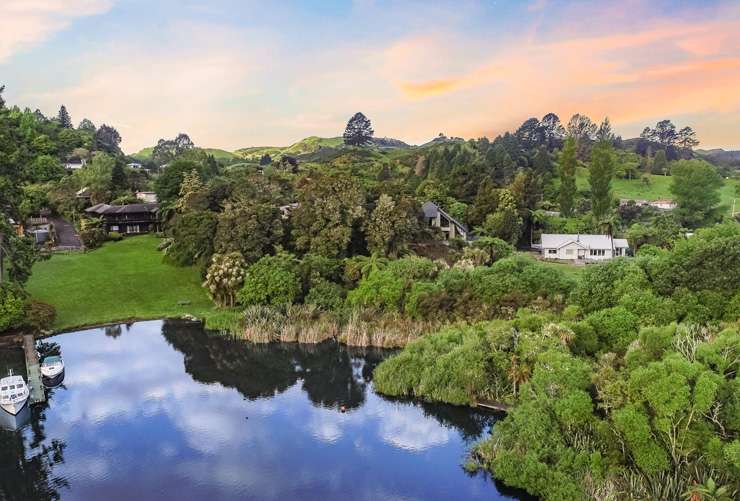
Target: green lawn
[[120, 281], [659, 187], [568, 269]]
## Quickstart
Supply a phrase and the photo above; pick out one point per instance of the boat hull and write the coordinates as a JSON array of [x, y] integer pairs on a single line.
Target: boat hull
[[14, 422], [53, 382], [15, 407]]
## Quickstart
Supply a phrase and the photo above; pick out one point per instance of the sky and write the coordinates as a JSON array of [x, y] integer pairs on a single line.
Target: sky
[[233, 74]]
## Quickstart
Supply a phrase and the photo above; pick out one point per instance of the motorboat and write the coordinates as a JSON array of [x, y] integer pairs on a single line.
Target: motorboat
[[13, 393], [52, 370], [14, 423]]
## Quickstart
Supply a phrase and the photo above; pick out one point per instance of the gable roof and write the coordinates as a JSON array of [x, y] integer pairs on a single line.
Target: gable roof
[[430, 209], [556, 241], [123, 209]]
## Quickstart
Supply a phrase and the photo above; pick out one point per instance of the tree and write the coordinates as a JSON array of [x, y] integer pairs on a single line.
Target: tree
[[687, 138], [193, 194], [359, 131], [600, 174], [542, 162], [168, 150], [567, 170], [249, 226], [64, 119], [273, 280], [695, 187], [225, 278], [265, 159], [605, 133], [87, 126], [581, 128], [551, 131], [107, 139], [119, 180], [329, 207], [390, 226], [97, 177], [505, 223], [660, 163], [167, 185]]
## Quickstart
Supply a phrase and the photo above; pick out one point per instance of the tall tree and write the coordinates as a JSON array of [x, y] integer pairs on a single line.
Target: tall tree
[[605, 132], [119, 180], [687, 138], [390, 226], [249, 226], [552, 131], [581, 128], [107, 139], [567, 169], [660, 163], [65, 121], [542, 162], [168, 150], [87, 125], [695, 186], [359, 131], [600, 174]]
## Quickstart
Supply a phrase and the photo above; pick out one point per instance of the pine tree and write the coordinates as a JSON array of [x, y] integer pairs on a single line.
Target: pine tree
[[567, 177], [359, 131], [118, 180], [64, 119], [660, 163], [600, 174]]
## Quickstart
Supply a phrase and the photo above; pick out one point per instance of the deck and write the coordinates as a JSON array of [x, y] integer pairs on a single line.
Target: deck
[[38, 395]]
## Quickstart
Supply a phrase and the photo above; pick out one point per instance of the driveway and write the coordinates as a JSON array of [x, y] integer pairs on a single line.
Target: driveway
[[67, 237]]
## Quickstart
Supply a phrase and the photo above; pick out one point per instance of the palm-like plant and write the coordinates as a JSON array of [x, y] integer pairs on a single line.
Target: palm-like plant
[[708, 491], [517, 373]]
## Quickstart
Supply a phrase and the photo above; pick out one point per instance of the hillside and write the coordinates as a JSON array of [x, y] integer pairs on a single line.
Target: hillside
[[218, 154]]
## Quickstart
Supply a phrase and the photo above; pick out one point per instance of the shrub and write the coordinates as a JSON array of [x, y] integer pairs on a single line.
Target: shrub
[[92, 233], [114, 236], [615, 327], [12, 307], [326, 295], [413, 268], [382, 289], [273, 280], [40, 315]]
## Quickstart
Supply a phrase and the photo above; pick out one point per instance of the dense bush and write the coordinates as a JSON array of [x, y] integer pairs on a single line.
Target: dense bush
[[326, 295], [40, 315], [114, 236], [12, 306], [192, 234], [273, 280]]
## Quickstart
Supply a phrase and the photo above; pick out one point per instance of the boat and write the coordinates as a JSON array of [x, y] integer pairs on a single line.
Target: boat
[[9, 422], [52, 370], [13, 394]]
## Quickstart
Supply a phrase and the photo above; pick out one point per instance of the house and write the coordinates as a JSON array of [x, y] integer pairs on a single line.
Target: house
[[127, 219], [75, 163], [83, 194], [148, 197], [450, 227], [286, 210], [582, 247], [663, 204], [135, 165]]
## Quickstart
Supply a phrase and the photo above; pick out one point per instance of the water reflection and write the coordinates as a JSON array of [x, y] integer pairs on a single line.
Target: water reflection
[[169, 410]]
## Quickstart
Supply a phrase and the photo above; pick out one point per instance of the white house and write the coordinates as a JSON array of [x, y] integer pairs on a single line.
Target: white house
[[663, 204], [448, 225], [148, 197], [135, 165], [582, 247], [74, 163]]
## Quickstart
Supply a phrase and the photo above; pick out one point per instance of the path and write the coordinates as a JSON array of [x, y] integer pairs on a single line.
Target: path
[[67, 237]]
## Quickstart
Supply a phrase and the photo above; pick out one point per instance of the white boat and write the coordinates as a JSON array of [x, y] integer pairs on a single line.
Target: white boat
[[13, 393], [52, 368]]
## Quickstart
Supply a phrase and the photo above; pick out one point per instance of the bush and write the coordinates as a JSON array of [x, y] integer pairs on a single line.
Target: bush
[[615, 327], [114, 236], [326, 295], [40, 315], [12, 307], [273, 280], [225, 277], [92, 233], [382, 289]]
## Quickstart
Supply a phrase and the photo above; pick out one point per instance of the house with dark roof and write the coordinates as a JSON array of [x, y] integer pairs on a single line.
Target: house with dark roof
[[436, 217], [127, 219]]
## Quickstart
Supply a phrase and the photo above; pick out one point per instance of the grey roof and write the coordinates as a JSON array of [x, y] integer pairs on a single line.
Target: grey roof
[[431, 209], [555, 241], [122, 209]]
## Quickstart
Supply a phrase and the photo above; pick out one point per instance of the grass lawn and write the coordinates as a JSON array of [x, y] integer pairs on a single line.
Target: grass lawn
[[568, 269], [120, 281], [659, 187]]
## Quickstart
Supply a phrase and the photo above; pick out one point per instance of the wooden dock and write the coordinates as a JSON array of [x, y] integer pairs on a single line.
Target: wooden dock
[[38, 395], [493, 406]]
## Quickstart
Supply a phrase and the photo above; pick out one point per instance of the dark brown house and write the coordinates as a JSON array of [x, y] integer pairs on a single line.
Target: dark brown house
[[127, 219]]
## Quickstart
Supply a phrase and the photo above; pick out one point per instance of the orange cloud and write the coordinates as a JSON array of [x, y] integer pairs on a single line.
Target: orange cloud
[[430, 88]]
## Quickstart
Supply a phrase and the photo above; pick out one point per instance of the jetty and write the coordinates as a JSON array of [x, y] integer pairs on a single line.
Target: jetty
[[493, 406], [33, 368]]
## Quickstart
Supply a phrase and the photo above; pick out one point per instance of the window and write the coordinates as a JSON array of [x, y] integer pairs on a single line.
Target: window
[[114, 228], [552, 251], [597, 252]]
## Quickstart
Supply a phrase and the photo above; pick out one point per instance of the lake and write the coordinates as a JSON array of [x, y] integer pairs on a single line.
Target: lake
[[163, 409]]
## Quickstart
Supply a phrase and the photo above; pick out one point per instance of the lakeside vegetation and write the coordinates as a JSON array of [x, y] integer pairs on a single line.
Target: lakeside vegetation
[[121, 281], [621, 376]]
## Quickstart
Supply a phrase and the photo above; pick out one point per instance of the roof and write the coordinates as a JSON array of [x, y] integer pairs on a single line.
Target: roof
[[122, 209], [555, 241], [430, 209]]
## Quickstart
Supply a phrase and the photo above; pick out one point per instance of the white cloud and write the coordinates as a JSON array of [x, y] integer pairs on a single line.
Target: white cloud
[[26, 23]]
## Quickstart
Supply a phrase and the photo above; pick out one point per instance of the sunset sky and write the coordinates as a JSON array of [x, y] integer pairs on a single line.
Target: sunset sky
[[245, 73]]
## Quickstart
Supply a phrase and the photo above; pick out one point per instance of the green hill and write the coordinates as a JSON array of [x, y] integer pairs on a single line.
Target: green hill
[[218, 154], [310, 144]]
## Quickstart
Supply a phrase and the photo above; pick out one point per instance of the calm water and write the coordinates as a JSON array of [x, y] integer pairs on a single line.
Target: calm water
[[163, 409]]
